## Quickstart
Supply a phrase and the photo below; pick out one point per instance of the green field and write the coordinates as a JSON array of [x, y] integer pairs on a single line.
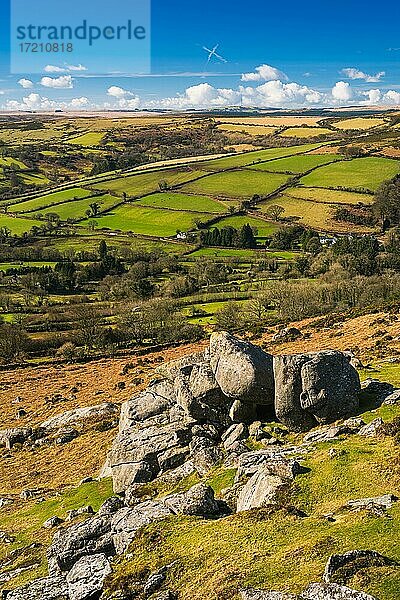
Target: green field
[[184, 202], [237, 184], [249, 158], [145, 183], [312, 214], [329, 196], [87, 139], [149, 221], [360, 173], [77, 209], [21, 265], [6, 161], [17, 226], [36, 179], [49, 199], [89, 242], [265, 229], [298, 164], [249, 255], [305, 132]]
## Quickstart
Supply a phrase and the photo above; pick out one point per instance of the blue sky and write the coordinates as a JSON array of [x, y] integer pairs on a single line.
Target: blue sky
[[308, 45]]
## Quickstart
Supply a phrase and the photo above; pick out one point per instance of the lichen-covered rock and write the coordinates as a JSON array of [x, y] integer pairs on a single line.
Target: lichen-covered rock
[[262, 490], [48, 588], [199, 500], [332, 591], [127, 522], [252, 594], [288, 390], [341, 567], [315, 388], [92, 536], [281, 461], [243, 371], [96, 413], [86, 578], [10, 437]]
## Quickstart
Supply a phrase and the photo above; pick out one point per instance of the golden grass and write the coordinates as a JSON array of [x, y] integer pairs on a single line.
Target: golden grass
[[305, 132], [272, 121], [358, 123], [248, 129]]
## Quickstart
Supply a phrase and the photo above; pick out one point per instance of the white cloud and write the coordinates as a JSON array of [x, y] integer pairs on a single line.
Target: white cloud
[[391, 97], [36, 102], [125, 98], [354, 74], [63, 82], [117, 92], [373, 97], [64, 69], [79, 102], [26, 83], [53, 69], [76, 68], [342, 92], [264, 73]]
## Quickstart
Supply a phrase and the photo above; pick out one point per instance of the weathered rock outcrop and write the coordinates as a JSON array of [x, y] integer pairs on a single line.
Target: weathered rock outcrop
[[244, 372], [48, 588], [86, 578], [314, 388], [341, 567], [332, 591]]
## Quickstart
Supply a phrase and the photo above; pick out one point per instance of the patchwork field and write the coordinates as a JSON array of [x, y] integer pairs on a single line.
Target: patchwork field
[[360, 173], [297, 164], [138, 185], [237, 184], [149, 221], [7, 161], [250, 158], [77, 209], [329, 196], [87, 139], [358, 123], [273, 121], [48, 200], [249, 129], [17, 226], [185, 202], [245, 254], [312, 214], [305, 132], [264, 228]]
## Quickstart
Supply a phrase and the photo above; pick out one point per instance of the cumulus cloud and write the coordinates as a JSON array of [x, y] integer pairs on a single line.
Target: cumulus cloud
[[342, 92], [125, 98], [64, 69], [354, 74], [264, 73], [36, 102], [25, 83], [63, 82]]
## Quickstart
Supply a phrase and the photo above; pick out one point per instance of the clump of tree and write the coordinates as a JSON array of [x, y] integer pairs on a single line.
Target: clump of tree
[[14, 342], [229, 237], [387, 203]]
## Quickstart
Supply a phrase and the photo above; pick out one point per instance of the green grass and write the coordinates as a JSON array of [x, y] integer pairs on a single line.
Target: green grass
[[184, 202], [145, 183], [7, 161], [240, 253], [49, 199], [279, 551], [25, 521], [90, 242], [38, 179], [21, 265], [329, 196], [87, 139], [17, 226], [77, 209], [238, 184], [361, 173], [264, 228], [298, 164], [249, 158], [149, 221]]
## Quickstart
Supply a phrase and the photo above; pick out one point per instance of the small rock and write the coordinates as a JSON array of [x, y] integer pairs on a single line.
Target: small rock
[[86, 578], [154, 582], [392, 399], [372, 428], [52, 522], [84, 510], [332, 591], [352, 562], [235, 433], [385, 502]]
